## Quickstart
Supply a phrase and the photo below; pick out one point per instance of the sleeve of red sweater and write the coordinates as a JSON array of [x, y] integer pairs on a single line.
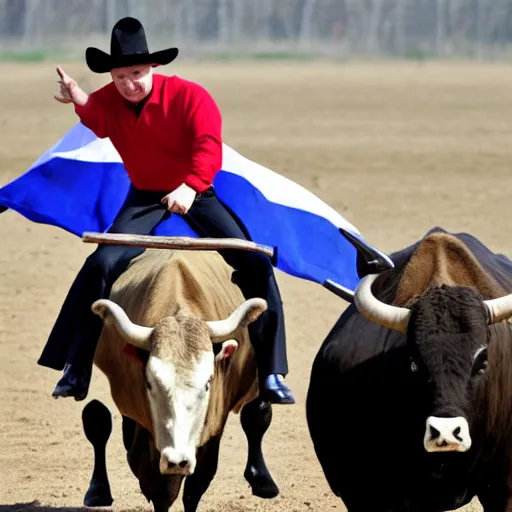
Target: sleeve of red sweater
[[205, 124], [94, 114]]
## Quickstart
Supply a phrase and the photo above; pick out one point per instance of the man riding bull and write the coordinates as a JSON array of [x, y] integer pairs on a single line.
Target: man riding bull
[[167, 131]]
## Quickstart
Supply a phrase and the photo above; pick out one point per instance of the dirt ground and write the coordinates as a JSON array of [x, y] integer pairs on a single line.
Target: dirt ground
[[395, 148]]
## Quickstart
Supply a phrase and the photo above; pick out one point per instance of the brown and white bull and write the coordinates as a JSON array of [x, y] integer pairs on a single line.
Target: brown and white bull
[[419, 369], [186, 322]]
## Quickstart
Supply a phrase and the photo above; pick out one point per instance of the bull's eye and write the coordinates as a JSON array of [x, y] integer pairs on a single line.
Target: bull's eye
[[148, 384], [480, 363]]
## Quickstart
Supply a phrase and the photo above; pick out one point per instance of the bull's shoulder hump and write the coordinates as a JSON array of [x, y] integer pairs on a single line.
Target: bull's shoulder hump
[[443, 258], [161, 278]]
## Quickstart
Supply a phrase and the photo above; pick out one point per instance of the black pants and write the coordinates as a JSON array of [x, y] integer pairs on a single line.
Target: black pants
[[75, 334]]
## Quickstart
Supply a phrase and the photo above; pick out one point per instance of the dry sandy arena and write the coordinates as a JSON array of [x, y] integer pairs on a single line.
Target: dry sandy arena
[[395, 148]]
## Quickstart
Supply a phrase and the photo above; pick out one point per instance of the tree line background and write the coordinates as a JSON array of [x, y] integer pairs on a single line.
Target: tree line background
[[340, 28]]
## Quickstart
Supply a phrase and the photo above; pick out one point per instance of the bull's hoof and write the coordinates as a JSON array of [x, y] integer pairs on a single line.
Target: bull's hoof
[[262, 484], [98, 496], [97, 423]]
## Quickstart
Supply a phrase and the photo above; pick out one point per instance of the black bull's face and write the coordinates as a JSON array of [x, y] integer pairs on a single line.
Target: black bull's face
[[450, 364], [447, 337]]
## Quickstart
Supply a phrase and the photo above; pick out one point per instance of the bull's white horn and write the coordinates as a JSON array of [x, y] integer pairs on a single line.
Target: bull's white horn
[[134, 334], [499, 309], [392, 317], [246, 313]]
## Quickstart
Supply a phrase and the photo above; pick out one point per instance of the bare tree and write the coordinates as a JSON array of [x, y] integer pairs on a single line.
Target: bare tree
[[223, 19], [307, 21]]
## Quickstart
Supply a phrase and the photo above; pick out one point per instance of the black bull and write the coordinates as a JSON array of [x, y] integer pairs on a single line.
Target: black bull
[[376, 393]]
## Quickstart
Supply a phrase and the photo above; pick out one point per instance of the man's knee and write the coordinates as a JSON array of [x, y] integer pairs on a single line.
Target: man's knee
[[253, 263], [105, 259], [254, 275]]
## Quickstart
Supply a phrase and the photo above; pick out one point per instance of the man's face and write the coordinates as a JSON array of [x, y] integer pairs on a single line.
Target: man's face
[[133, 82]]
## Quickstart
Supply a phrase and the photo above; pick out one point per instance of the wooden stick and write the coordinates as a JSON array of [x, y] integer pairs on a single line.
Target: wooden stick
[[176, 242]]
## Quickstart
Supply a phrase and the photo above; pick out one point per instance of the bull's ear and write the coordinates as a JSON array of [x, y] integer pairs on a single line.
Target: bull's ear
[[228, 347], [110, 312], [247, 312]]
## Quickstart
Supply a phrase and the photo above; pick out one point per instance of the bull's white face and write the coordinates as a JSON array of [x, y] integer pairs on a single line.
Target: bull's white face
[[178, 399], [179, 372]]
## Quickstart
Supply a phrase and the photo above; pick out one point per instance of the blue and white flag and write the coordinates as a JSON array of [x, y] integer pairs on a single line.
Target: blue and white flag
[[80, 184]]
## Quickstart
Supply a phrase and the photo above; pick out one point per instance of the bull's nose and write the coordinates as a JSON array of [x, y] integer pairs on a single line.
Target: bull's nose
[[174, 464], [183, 465], [447, 434]]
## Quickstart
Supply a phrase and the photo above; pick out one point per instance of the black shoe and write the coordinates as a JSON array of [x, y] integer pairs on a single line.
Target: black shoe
[[74, 382], [276, 391]]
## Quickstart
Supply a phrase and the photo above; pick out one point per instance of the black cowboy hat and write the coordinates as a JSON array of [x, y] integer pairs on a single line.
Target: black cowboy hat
[[128, 47]]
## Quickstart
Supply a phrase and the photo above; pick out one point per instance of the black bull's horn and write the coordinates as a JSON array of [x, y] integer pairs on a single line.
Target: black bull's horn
[[397, 318]]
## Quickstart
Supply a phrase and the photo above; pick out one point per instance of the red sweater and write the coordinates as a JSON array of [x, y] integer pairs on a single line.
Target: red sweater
[[175, 139]]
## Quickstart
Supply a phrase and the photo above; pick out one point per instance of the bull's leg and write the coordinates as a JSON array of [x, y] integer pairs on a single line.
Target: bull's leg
[[163, 502], [197, 484], [129, 427], [97, 425], [255, 418]]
